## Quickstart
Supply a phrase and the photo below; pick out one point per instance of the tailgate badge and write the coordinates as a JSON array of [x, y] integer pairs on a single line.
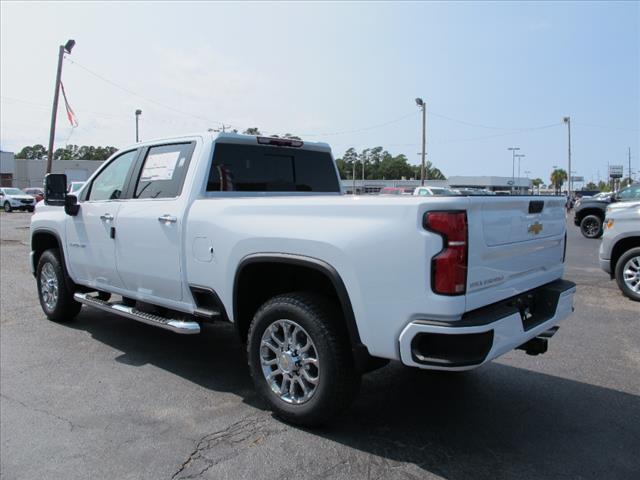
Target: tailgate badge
[[535, 228]]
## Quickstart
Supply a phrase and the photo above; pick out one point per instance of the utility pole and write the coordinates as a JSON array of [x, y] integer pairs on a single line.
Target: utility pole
[[513, 166], [567, 120], [423, 106], [138, 113], [629, 165], [67, 47], [363, 162]]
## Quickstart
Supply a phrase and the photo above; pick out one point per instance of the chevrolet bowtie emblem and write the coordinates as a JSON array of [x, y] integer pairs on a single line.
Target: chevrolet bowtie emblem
[[535, 228]]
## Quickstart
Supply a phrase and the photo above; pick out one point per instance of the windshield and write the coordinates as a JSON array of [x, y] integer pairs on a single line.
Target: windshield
[[12, 191], [76, 186]]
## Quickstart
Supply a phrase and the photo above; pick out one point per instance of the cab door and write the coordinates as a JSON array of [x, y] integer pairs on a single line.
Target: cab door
[[150, 224], [90, 234]]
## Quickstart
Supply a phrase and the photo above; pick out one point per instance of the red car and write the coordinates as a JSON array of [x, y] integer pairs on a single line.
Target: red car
[[396, 191], [37, 193]]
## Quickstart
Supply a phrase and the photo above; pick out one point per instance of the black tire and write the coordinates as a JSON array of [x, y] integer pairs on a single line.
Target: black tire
[[30, 209], [338, 381], [64, 308], [7, 207], [633, 256], [591, 226]]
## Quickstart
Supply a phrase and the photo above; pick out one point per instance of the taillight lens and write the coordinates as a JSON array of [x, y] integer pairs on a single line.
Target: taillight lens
[[449, 267]]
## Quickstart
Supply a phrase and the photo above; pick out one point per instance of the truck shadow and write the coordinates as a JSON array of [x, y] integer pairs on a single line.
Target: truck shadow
[[495, 422]]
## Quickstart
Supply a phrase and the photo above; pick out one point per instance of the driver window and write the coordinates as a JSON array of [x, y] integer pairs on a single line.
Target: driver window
[[110, 183]]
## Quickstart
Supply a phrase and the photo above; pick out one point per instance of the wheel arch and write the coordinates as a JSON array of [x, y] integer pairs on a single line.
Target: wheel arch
[[591, 211], [250, 291], [620, 248], [43, 239]]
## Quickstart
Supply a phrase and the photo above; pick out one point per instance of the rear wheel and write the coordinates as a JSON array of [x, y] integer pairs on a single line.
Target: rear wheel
[[628, 273], [591, 226], [7, 207], [300, 359], [54, 291]]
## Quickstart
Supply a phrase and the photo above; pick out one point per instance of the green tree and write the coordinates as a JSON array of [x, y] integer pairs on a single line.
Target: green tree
[[625, 182], [536, 182], [291, 136], [604, 186], [252, 131], [558, 177], [345, 164], [591, 186], [35, 152]]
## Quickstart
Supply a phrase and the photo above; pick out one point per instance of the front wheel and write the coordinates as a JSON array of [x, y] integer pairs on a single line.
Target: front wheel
[[56, 296], [300, 359], [591, 226], [628, 273], [7, 207]]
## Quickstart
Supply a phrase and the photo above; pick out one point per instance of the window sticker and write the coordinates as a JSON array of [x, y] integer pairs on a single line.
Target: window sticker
[[159, 166]]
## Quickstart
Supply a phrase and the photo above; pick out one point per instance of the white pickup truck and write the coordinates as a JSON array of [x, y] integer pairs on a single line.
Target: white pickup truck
[[321, 286]]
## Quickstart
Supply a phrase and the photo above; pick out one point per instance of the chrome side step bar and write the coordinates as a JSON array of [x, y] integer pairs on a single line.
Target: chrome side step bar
[[177, 326]]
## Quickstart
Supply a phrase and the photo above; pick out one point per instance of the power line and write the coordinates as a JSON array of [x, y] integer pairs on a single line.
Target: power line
[[610, 127], [135, 94], [363, 129], [471, 124]]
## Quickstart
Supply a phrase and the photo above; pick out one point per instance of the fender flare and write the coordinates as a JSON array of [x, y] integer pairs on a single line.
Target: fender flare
[[361, 356]]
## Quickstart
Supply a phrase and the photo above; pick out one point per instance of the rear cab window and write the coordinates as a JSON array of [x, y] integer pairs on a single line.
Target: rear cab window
[[261, 168]]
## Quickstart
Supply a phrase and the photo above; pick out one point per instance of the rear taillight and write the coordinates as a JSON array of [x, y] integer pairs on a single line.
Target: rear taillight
[[449, 266]]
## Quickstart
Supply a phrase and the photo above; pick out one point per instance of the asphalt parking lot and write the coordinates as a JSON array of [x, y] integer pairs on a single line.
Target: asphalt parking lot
[[105, 397]]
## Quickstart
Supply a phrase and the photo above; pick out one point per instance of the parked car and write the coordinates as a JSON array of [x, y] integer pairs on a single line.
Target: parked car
[[36, 193], [620, 248], [472, 191], [589, 215], [322, 288], [396, 191], [75, 187], [16, 199], [431, 191]]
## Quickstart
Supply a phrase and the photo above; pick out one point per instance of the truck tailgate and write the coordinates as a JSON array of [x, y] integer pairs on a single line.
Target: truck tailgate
[[515, 245]]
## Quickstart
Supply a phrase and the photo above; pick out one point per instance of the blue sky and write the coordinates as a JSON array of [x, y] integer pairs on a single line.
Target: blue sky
[[323, 69]]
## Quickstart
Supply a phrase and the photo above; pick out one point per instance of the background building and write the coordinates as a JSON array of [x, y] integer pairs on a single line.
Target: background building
[[30, 173], [521, 185], [7, 169]]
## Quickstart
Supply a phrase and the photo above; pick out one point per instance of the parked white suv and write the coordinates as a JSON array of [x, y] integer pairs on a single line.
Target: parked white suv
[[321, 286], [16, 199], [620, 248], [431, 191]]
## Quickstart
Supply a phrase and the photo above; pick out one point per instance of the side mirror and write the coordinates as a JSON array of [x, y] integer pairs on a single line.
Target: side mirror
[[55, 189], [71, 206]]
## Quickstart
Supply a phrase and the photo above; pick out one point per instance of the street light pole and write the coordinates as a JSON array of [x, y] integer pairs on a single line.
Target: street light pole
[[423, 106], [567, 120], [67, 47], [138, 113], [519, 155], [513, 166], [354, 177]]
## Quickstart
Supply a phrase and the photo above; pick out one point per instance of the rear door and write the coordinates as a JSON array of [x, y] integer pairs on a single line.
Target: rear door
[[149, 229], [515, 245]]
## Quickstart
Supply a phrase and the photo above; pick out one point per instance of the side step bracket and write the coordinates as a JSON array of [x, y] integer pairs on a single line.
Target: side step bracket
[[177, 326]]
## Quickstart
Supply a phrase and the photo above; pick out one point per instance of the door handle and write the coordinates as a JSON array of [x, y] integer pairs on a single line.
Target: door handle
[[167, 218], [107, 217]]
